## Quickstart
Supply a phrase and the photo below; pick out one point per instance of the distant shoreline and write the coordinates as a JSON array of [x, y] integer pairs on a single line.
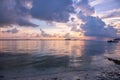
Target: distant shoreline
[[38, 39], [47, 40]]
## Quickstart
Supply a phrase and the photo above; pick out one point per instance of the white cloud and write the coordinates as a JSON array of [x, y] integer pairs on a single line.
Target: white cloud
[[96, 2], [111, 13]]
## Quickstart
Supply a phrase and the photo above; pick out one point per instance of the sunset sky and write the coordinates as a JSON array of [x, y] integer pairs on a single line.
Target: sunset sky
[[81, 19]]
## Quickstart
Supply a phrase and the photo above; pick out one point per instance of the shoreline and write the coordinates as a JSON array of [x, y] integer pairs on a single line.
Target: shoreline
[[74, 75]]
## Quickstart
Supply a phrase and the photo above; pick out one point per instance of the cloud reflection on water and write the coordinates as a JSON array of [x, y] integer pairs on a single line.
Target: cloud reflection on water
[[54, 54]]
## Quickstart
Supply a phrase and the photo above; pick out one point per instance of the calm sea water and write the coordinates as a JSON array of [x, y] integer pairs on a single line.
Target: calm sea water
[[30, 58]]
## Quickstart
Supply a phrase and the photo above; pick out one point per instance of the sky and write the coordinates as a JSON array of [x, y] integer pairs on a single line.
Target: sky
[[38, 19]]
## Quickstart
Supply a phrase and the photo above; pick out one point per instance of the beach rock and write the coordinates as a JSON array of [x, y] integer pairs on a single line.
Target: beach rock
[[109, 76], [115, 61]]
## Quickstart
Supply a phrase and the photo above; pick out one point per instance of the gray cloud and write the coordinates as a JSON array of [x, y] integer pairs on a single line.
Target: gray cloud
[[14, 12], [94, 26], [67, 35], [111, 15], [52, 10], [74, 28], [13, 31], [25, 22], [84, 6], [44, 34]]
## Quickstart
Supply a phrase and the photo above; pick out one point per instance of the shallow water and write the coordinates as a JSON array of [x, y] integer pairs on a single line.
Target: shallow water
[[50, 57]]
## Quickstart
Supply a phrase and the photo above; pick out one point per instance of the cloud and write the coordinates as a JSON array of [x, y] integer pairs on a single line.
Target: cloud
[[44, 34], [13, 31], [14, 12], [67, 35], [80, 6], [83, 6], [94, 26], [24, 22], [111, 13], [75, 28], [96, 2], [19, 12], [52, 10]]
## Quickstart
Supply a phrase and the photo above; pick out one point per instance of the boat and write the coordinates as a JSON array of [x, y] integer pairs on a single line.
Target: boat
[[117, 39], [112, 41]]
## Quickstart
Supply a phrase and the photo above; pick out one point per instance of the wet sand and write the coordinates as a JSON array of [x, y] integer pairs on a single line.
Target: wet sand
[[105, 74]]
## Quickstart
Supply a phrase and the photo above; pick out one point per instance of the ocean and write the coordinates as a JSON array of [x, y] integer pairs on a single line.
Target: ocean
[[58, 60]]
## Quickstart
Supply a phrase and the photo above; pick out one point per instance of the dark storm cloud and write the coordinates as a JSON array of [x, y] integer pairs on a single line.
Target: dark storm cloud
[[13, 31], [52, 10], [14, 12]]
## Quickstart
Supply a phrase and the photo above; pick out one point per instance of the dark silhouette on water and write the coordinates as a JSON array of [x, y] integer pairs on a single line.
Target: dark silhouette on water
[[114, 60], [116, 40], [112, 41]]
